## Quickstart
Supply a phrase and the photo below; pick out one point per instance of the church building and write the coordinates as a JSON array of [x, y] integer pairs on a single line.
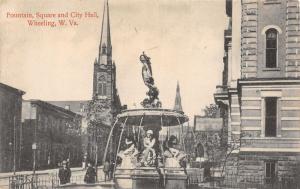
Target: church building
[[100, 112]]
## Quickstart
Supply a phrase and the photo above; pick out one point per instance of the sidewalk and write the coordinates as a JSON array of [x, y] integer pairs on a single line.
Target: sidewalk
[[38, 172]]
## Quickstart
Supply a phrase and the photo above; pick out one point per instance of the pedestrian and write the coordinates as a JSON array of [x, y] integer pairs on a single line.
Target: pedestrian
[[69, 171], [90, 175], [106, 169], [64, 173], [111, 168]]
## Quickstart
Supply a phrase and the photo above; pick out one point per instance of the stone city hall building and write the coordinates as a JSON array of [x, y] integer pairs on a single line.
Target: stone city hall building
[[260, 93]]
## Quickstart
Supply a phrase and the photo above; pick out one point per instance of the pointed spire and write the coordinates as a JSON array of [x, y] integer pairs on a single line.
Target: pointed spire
[[178, 105], [105, 48]]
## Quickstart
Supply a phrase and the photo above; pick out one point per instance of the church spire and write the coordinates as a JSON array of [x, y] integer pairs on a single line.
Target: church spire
[[105, 48], [178, 105]]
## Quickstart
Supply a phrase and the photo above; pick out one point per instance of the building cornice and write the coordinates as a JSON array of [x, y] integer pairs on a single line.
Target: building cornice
[[12, 89], [54, 108], [264, 81]]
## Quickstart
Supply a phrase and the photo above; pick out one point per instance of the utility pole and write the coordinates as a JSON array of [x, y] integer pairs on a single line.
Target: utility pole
[[34, 149], [15, 145], [96, 155], [20, 147]]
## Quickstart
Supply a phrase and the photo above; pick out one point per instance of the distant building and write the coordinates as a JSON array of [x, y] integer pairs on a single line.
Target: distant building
[[260, 93], [79, 107], [76, 106], [177, 104], [55, 130], [10, 125], [207, 124], [207, 132], [177, 130]]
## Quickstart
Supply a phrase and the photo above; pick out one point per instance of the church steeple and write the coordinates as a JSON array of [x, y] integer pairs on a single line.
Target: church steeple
[[105, 48], [178, 105]]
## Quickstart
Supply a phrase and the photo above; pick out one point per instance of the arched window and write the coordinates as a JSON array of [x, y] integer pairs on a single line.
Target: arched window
[[199, 151], [101, 89], [271, 48]]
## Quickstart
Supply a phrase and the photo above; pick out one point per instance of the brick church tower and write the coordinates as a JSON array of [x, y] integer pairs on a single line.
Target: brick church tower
[[105, 104], [104, 81]]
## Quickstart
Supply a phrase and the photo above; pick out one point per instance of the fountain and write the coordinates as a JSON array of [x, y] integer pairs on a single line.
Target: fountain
[[147, 154]]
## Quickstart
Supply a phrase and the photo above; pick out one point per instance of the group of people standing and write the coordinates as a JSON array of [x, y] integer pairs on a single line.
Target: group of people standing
[[64, 174]]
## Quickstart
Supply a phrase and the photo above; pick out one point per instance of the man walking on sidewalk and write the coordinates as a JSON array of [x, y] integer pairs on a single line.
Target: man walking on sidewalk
[[64, 173]]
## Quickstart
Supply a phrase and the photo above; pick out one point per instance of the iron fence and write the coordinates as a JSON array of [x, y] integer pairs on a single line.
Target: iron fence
[[28, 182], [46, 180], [195, 176]]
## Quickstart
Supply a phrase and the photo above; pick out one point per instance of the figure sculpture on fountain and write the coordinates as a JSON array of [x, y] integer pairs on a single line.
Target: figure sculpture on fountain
[[129, 155], [152, 101]]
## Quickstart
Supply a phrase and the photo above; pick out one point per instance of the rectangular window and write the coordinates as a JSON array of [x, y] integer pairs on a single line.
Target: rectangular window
[[99, 89], [271, 117], [270, 168], [271, 56], [102, 89]]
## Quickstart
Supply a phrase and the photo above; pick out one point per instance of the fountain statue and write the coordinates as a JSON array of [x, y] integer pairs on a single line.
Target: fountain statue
[[152, 101]]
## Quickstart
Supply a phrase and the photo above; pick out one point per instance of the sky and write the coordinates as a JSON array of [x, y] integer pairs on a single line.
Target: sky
[[184, 39]]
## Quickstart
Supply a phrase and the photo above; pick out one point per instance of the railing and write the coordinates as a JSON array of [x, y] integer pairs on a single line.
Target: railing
[[46, 180], [28, 182], [195, 176]]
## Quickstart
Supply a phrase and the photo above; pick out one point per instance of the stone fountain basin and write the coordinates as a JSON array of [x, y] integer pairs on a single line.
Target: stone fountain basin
[[152, 117]]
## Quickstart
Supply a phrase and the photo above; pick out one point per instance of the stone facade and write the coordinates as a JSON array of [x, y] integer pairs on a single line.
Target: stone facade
[[263, 103], [55, 130], [292, 27], [10, 127]]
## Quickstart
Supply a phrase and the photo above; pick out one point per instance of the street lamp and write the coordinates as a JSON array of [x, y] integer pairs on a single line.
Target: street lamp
[[11, 150], [10, 154], [34, 149]]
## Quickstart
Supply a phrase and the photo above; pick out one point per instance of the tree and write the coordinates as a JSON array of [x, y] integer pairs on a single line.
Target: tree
[[211, 111]]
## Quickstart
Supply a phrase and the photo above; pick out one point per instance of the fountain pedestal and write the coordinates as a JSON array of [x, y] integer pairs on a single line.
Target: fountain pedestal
[[146, 178], [175, 179]]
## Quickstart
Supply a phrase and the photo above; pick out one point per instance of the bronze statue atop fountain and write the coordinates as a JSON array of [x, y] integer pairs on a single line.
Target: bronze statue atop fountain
[[152, 101]]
